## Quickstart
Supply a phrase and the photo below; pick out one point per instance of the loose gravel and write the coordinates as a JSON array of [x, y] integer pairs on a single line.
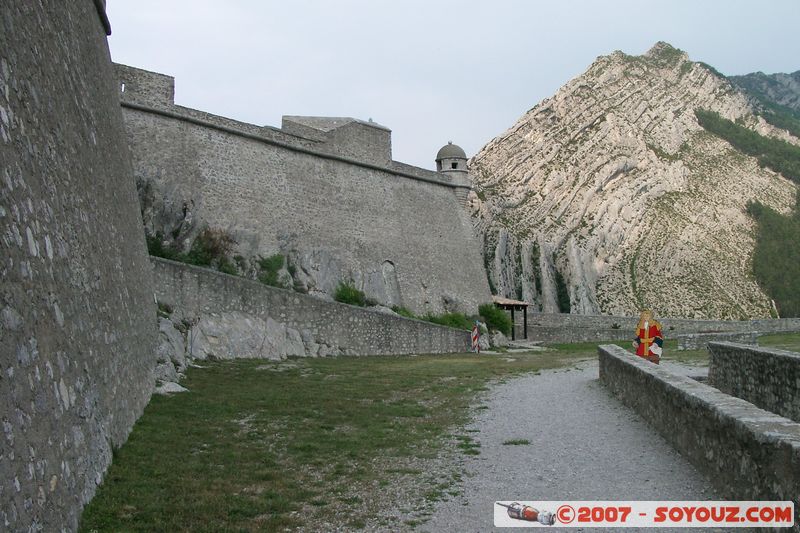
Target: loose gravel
[[584, 445]]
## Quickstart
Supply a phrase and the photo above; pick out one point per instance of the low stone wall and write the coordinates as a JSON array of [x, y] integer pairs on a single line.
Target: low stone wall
[[765, 377], [565, 327], [699, 341], [576, 334], [229, 316], [748, 453]]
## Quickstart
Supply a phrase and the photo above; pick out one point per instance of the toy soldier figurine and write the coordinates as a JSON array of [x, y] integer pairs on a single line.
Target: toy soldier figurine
[[649, 339]]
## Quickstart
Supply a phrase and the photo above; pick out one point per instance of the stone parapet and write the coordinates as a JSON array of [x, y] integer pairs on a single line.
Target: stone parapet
[[765, 377], [565, 327], [699, 341], [748, 453]]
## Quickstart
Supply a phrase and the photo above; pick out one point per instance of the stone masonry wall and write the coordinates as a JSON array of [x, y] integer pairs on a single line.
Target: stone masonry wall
[[262, 321], [401, 237], [555, 327], [699, 341], [765, 377], [748, 453], [77, 317]]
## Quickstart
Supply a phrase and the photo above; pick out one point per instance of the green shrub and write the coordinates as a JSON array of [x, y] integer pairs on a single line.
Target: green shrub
[[495, 318], [240, 262], [348, 294], [227, 267], [451, 320], [155, 247], [402, 311], [164, 310], [269, 268], [210, 246]]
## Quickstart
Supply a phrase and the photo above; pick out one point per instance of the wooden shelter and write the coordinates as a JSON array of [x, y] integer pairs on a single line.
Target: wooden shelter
[[513, 305]]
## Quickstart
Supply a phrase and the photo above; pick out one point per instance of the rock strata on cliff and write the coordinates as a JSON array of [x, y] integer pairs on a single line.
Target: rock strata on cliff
[[782, 89], [610, 196]]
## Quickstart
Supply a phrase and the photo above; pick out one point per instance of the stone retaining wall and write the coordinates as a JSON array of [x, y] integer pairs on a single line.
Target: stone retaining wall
[[565, 327], [748, 453], [766, 377], [699, 341], [260, 321], [575, 334]]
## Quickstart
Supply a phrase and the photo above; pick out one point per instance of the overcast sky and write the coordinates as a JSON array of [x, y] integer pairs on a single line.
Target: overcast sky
[[431, 70]]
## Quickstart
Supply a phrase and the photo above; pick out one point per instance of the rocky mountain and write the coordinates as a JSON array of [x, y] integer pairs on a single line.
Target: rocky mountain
[[780, 88], [609, 196]]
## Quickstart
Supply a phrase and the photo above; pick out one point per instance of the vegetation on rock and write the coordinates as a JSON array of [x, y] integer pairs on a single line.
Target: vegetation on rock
[[451, 320], [495, 318], [781, 117], [776, 261], [269, 270], [562, 293], [211, 248], [776, 154], [347, 293]]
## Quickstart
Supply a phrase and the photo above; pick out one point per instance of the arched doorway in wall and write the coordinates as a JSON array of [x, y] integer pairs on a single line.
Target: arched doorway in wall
[[391, 285]]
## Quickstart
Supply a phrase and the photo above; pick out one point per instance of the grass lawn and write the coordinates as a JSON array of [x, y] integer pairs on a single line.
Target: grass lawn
[[313, 444], [308, 444], [784, 341]]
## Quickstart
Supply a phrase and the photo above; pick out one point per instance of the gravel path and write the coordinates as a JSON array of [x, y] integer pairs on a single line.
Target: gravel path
[[584, 445]]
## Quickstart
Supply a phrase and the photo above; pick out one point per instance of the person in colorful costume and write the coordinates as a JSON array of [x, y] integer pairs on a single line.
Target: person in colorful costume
[[649, 339], [476, 337]]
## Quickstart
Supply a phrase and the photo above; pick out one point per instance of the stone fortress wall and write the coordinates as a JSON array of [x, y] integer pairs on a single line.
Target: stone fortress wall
[[322, 191], [77, 316], [77, 311]]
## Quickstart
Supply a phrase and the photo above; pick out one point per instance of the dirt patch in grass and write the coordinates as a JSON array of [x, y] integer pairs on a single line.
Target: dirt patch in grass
[[318, 445]]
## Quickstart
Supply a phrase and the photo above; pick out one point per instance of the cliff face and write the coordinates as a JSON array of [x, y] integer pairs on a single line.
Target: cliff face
[[612, 196], [780, 88]]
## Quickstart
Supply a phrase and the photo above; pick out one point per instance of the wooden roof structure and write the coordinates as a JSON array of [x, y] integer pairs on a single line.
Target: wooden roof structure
[[513, 305]]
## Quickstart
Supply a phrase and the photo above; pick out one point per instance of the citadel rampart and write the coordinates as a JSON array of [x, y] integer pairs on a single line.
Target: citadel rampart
[[765, 377], [276, 320], [554, 327], [747, 453], [77, 317], [322, 191]]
